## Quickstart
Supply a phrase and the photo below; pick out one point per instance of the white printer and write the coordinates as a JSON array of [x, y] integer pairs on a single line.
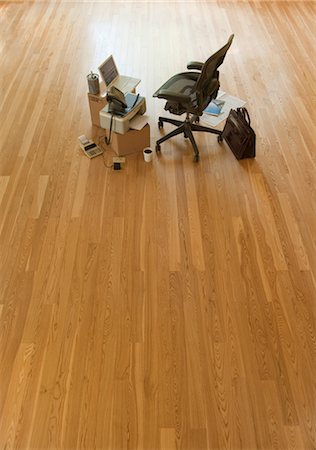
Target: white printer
[[121, 123]]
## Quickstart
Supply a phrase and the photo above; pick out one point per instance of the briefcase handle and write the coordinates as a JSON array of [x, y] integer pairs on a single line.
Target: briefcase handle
[[245, 115]]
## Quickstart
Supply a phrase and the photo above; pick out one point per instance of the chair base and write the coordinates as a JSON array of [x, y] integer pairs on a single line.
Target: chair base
[[186, 127]]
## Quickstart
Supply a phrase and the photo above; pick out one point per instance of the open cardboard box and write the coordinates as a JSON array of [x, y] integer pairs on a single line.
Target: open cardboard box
[[130, 142]]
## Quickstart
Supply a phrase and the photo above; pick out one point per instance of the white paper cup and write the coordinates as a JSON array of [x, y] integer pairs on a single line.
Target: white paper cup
[[148, 154]]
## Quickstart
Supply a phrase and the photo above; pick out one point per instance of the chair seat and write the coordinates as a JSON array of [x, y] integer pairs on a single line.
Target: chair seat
[[182, 83]]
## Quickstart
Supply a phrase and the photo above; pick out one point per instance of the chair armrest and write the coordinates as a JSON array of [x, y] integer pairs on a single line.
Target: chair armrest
[[195, 65], [173, 96]]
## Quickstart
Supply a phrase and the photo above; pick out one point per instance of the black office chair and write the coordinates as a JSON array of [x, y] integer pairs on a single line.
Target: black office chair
[[190, 93]]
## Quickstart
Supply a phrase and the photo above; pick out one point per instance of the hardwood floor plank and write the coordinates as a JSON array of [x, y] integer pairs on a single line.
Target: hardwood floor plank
[[32, 389]]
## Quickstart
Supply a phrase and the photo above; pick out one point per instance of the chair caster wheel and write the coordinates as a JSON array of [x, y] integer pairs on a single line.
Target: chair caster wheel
[[160, 124], [186, 136], [196, 158], [219, 138], [158, 149], [197, 120]]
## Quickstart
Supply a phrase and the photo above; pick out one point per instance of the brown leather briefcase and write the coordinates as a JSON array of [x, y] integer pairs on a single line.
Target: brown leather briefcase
[[239, 135]]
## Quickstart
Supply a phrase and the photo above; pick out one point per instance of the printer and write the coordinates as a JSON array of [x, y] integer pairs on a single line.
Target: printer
[[121, 123]]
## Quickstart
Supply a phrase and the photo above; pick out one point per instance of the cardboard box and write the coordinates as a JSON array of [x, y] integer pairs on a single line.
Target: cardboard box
[[130, 142], [96, 103]]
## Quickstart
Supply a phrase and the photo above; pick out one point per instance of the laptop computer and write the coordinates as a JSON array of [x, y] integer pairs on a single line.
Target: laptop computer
[[111, 77]]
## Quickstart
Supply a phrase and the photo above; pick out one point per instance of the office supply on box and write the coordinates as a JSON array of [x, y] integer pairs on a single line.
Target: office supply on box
[[120, 104], [111, 77], [121, 124], [93, 83], [239, 134], [138, 122], [117, 102]]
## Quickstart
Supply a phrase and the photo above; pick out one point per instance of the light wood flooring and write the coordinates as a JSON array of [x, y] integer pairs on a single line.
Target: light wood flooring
[[171, 305]]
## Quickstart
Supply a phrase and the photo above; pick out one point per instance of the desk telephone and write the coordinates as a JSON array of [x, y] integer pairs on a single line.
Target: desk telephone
[[117, 101]]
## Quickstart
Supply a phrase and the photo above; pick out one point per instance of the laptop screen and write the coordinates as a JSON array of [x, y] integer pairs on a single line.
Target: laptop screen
[[108, 70]]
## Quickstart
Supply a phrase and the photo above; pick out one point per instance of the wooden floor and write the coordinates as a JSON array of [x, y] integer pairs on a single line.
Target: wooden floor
[[171, 305]]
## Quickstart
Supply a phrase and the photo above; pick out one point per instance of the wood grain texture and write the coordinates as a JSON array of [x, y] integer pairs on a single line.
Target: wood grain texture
[[170, 305]]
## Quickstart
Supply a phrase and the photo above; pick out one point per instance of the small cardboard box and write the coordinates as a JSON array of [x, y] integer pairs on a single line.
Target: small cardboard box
[[96, 103], [130, 142]]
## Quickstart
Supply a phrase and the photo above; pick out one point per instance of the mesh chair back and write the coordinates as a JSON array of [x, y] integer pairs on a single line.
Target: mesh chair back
[[209, 74]]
